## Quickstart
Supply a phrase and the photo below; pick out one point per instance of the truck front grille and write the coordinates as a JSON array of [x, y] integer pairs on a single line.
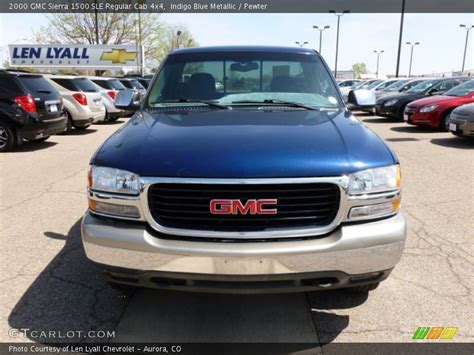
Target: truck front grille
[[187, 206]]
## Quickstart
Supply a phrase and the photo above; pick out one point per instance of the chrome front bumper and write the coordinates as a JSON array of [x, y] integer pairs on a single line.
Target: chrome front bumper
[[352, 249]]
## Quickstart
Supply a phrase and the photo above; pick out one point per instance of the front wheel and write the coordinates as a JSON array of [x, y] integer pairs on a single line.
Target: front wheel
[[7, 138], [69, 122]]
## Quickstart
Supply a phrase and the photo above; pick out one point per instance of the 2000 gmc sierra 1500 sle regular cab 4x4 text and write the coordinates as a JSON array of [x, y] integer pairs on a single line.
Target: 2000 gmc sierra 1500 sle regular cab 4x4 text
[[242, 170]]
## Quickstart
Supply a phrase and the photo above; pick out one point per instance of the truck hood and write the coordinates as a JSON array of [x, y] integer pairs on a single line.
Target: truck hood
[[243, 143]]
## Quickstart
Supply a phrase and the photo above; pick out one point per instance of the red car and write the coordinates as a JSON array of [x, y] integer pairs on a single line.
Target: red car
[[434, 110]]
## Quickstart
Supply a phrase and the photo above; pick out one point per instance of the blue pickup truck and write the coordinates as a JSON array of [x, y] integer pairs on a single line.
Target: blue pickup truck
[[242, 170]]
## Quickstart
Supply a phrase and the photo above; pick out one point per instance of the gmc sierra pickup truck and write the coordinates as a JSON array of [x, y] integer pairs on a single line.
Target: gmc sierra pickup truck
[[242, 170]]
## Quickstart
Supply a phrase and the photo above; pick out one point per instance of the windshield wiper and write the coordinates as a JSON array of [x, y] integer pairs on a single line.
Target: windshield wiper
[[209, 103], [278, 102]]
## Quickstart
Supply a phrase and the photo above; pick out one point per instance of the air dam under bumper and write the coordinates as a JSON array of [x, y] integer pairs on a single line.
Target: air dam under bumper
[[129, 254]]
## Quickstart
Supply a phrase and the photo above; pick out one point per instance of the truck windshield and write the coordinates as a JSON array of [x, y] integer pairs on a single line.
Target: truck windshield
[[249, 78]]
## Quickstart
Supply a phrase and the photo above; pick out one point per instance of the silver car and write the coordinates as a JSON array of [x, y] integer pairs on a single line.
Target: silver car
[[133, 84], [461, 121], [109, 87], [82, 100]]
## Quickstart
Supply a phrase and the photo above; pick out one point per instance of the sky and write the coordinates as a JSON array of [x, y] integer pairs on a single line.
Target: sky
[[441, 39]]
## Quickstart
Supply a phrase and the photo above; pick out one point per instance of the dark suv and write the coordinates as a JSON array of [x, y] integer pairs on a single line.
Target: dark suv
[[30, 108]]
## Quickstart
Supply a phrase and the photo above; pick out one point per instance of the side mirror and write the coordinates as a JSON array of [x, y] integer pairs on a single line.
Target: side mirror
[[361, 98], [434, 92], [128, 100]]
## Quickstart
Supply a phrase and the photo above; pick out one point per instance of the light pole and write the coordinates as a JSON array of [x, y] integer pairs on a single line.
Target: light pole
[[301, 44], [96, 25], [378, 59], [468, 28], [400, 39], [339, 15], [321, 30], [412, 45], [179, 33]]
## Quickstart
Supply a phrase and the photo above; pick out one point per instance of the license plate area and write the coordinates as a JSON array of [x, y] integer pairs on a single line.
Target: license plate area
[[52, 106], [453, 127]]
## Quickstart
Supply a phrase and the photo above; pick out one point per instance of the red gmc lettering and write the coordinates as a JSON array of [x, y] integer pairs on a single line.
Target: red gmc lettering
[[237, 207]]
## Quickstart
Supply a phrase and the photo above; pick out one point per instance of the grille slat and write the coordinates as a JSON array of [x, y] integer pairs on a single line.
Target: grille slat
[[255, 195], [236, 190], [280, 212], [157, 204], [187, 206]]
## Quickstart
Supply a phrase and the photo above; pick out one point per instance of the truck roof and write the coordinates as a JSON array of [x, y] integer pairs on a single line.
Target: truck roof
[[269, 49]]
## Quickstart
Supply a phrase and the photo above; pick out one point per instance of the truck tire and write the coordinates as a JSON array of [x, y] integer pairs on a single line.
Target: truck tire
[[363, 288], [68, 124], [7, 137]]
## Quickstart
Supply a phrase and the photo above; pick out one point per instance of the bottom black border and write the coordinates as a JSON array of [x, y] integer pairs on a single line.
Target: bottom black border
[[239, 348]]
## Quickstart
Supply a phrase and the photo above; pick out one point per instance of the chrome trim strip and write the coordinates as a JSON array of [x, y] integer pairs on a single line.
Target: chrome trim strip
[[371, 217], [341, 181], [118, 217], [373, 195]]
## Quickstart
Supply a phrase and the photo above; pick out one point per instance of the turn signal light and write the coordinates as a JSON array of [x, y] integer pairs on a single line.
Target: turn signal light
[[114, 209], [375, 211], [399, 177]]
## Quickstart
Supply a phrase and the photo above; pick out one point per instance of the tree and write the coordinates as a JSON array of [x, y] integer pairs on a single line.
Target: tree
[[176, 36], [114, 28], [359, 68]]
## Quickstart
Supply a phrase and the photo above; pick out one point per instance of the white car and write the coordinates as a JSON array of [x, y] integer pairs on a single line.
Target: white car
[[82, 100], [109, 87], [348, 83]]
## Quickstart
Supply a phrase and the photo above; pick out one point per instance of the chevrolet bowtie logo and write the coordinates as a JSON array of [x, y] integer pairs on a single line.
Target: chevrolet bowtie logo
[[118, 56]]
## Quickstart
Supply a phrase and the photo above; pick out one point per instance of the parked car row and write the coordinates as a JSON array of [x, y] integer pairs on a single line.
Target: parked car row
[[450, 111], [393, 105], [33, 107], [433, 102]]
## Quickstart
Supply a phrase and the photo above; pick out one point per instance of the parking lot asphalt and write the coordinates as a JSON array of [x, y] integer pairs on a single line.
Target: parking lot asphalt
[[48, 285]]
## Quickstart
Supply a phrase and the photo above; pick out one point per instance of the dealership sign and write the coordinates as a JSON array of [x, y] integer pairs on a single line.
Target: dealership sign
[[73, 55]]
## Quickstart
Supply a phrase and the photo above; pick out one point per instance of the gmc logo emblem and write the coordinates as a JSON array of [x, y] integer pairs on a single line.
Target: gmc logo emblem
[[249, 207]]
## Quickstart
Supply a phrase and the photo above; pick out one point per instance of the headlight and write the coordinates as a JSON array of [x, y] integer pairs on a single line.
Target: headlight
[[375, 180], [391, 102], [428, 108], [113, 180]]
